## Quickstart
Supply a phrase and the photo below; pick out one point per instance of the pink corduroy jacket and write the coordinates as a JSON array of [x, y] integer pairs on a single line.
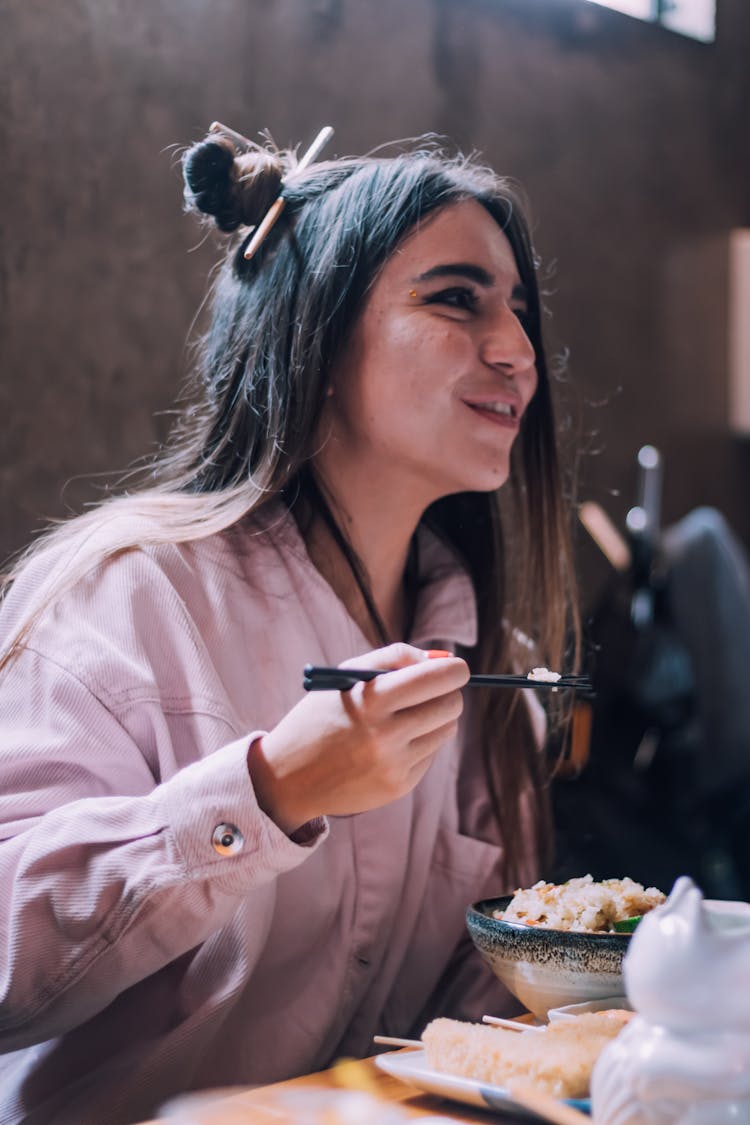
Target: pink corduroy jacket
[[136, 959]]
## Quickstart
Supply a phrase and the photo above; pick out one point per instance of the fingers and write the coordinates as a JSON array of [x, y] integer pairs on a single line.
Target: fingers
[[422, 749], [347, 752], [406, 736], [420, 695], [412, 685], [402, 771], [422, 719], [398, 655], [415, 675]]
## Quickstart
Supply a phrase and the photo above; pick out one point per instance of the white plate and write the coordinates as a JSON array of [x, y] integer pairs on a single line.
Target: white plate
[[413, 1067], [569, 1010]]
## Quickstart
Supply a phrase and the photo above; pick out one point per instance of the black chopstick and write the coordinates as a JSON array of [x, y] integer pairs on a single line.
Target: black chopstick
[[343, 679]]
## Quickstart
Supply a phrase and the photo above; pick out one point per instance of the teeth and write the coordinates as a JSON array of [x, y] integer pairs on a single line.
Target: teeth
[[497, 407]]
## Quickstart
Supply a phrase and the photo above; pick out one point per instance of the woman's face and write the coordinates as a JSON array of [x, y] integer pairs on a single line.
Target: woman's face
[[429, 393]]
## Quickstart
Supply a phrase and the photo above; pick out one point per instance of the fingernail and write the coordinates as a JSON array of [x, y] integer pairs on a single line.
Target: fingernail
[[434, 653]]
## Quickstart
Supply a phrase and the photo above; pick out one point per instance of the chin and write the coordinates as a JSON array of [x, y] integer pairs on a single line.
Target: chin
[[489, 480], [485, 483], [488, 476]]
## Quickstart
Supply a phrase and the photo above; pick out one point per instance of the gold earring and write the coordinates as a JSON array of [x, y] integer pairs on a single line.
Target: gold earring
[[412, 292]]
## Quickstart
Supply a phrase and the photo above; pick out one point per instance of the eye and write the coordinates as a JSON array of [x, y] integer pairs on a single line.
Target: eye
[[456, 297]]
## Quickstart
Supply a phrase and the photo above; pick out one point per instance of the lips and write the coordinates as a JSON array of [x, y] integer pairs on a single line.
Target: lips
[[499, 411]]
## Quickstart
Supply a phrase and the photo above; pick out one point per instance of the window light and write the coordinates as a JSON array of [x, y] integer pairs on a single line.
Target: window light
[[696, 18]]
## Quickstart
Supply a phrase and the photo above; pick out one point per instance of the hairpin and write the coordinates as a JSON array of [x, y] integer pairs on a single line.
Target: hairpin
[[273, 212], [236, 138]]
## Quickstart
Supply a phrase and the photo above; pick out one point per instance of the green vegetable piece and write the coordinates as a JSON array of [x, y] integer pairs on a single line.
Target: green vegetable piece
[[627, 925]]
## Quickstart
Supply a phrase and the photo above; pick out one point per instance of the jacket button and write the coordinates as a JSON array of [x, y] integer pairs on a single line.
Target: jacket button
[[227, 839]]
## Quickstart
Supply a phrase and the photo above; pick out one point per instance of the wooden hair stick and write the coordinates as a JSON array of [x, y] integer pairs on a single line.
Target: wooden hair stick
[[277, 206], [236, 138]]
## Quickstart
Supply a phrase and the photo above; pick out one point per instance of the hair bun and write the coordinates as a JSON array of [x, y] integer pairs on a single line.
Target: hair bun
[[234, 188]]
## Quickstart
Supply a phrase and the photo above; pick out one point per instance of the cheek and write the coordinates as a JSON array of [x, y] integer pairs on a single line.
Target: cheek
[[428, 351], [410, 336], [396, 372]]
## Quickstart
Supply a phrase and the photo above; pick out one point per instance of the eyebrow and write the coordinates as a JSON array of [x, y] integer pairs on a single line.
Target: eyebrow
[[473, 273]]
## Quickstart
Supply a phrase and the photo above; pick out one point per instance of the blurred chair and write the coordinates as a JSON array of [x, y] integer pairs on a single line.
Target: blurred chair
[[662, 787]]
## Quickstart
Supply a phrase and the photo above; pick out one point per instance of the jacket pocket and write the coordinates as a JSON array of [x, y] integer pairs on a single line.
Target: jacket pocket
[[440, 954]]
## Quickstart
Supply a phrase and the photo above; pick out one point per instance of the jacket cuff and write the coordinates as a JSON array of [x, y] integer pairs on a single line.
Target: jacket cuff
[[219, 829]]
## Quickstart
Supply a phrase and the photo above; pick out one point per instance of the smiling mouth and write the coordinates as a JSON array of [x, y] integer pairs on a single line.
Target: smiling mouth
[[502, 409]]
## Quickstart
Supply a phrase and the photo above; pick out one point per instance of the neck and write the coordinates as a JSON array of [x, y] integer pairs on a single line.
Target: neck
[[381, 541]]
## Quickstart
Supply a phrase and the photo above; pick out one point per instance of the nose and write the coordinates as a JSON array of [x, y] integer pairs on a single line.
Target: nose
[[506, 345]]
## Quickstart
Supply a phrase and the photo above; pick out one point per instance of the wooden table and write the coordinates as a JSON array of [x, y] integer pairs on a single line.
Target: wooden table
[[288, 1103]]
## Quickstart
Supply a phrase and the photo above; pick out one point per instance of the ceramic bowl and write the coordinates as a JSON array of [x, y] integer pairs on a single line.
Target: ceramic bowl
[[547, 968]]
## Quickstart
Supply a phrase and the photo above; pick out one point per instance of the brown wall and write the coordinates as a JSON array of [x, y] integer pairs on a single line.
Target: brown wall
[[631, 142]]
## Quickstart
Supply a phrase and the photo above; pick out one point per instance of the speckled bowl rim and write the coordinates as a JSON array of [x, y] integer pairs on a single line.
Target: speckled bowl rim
[[520, 936]]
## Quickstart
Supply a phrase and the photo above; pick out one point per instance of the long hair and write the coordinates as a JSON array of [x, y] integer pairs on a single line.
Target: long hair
[[278, 322]]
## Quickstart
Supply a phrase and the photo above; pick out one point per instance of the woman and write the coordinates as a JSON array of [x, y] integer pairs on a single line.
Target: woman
[[210, 878]]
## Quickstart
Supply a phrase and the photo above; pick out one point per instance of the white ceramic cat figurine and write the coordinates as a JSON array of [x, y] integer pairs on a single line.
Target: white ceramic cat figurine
[[684, 1058]]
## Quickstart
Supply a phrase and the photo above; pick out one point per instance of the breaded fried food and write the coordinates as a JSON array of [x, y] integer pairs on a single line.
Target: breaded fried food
[[557, 1059]]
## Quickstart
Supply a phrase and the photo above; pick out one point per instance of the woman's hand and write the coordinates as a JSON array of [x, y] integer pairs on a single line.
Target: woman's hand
[[337, 753]]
